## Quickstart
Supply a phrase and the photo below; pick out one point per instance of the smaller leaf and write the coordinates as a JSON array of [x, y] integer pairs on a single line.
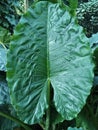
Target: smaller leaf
[[94, 45], [86, 118], [3, 54], [4, 92], [6, 124], [5, 106], [94, 41], [70, 128], [95, 54], [4, 36], [95, 80]]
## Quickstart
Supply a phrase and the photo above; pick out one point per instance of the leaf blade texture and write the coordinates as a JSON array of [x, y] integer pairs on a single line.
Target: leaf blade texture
[[48, 44]]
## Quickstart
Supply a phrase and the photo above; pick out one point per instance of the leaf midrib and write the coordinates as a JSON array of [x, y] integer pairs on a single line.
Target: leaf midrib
[[48, 63]]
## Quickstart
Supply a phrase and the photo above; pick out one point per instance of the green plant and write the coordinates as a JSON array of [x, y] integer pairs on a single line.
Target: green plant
[[51, 61], [49, 68]]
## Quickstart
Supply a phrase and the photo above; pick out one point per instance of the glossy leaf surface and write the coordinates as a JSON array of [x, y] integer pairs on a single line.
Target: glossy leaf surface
[[49, 46]]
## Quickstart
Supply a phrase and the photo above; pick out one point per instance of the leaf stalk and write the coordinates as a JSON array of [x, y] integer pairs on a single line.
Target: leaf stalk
[[48, 110]]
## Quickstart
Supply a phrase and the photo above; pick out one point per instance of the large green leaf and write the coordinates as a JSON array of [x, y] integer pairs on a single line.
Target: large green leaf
[[48, 46]]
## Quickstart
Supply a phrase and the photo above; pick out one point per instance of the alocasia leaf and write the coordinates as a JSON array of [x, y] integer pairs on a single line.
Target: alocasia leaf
[[49, 47], [3, 52]]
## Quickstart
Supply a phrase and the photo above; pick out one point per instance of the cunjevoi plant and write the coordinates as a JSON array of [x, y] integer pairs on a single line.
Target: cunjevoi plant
[[49, 65]]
